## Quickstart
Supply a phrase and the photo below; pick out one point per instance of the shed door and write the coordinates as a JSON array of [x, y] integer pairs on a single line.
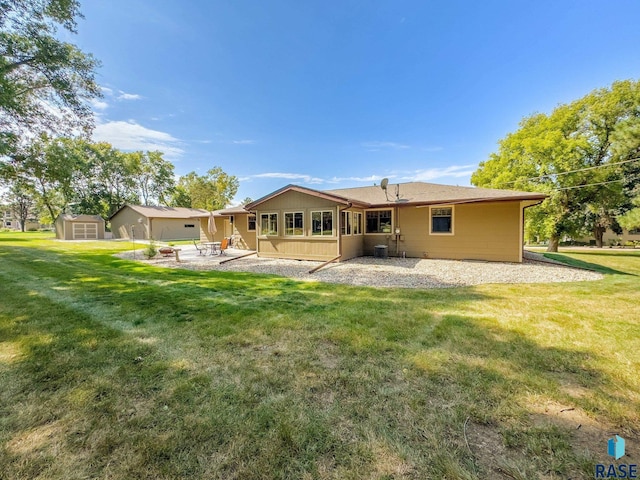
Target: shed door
[[85, 231]]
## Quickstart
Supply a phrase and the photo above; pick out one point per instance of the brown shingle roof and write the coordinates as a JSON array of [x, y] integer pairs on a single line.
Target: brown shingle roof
[[413, 193], [165, 212], [421, 193]]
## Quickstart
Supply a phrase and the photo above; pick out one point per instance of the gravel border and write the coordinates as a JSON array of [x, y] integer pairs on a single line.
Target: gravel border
[[396, 272]]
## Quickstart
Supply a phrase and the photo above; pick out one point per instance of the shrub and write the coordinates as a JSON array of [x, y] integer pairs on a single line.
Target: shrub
[[151, 250]]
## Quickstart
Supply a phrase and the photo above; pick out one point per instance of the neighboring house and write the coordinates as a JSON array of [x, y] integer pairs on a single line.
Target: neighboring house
[[79, 227], [612, 238], [13, 223], [158, 223], [421, 220]]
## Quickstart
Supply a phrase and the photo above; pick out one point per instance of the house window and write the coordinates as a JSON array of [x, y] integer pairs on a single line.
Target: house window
[[294, 223], [189, 225], [378, 221], [442, 220], [269, 223], [322, 223], [346, 227], [357, 223], [251, 223]]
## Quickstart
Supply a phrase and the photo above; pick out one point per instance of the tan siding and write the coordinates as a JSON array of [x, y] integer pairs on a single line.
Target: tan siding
[[243, 238], [352, 246], [174, 228], [487, 231], [482, 231], [122, 221], [305, 247], [295, 201]]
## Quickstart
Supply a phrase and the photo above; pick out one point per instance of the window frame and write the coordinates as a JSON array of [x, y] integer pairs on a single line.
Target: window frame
[[255, 222], [333, 223], [269, 214], [346, 223], [358, 224], [390, 232], [438, 207], [293, 212]]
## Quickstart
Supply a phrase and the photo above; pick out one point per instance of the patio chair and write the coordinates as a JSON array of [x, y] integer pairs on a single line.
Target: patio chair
[[202, 249], [224, 245]]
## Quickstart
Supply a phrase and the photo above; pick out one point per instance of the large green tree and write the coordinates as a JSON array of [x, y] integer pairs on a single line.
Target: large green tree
[[212, 191], [579, 155], [45, 82], [154, 177]]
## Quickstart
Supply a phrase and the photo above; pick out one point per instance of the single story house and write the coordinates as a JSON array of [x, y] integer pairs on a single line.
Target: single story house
[[79, 227], [612, 238], [422, 220], [235, 223], [158, 223]]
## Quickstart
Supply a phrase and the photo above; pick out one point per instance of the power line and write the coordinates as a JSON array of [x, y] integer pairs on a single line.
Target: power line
[[572, 171], [587, 185]]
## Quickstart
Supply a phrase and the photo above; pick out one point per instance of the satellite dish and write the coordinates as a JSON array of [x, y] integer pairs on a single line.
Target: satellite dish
[[384, 183]]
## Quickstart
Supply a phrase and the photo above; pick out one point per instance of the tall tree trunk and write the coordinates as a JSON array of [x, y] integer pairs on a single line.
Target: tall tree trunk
[[598, 233], [553, 244]]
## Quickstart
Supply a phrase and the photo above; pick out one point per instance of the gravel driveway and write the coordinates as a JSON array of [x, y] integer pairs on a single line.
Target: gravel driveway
[[396, 272]]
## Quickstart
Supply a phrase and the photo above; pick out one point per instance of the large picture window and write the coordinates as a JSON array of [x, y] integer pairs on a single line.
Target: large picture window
[[269, 224], [378, 221], [251, 223], [357, 223], [345, 226], [322, 223], [442, 220], [294, 223]]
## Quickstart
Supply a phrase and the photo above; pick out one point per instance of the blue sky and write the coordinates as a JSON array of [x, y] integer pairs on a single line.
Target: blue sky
[[333, 94]]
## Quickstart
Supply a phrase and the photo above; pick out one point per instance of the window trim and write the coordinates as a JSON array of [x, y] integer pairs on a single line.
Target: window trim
[[333, 223], [346, 219], [255, 222], [390, 232], [360, 229], [293, 235], [277, 224], [453, 210]]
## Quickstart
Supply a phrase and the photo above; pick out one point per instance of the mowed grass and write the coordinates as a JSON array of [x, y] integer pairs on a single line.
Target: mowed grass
[[120, 370]]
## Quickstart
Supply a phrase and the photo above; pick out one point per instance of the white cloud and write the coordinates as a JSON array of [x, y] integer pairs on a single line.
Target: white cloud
[[428, 174], [243, 142], [106, 90], [369, 179], [128, 96], [422, 175], [98, 104], [387, 145], [132, 136], [288, 176]]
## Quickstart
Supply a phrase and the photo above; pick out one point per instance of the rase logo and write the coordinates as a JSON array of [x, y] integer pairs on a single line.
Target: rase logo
[[615, 449]]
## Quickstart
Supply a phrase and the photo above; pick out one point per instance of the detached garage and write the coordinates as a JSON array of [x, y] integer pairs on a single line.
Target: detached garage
[[159, 223], [79, 227]]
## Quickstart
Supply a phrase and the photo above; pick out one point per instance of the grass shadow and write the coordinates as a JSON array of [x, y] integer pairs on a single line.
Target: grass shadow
[[573, 262]]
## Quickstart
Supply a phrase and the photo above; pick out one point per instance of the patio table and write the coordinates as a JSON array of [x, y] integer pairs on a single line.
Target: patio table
[[213, 246]]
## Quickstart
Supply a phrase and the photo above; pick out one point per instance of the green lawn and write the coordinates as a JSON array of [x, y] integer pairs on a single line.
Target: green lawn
[[120, 370]]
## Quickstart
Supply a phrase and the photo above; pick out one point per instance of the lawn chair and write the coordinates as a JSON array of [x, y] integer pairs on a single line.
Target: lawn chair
[[202, 249], [224, 245]]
